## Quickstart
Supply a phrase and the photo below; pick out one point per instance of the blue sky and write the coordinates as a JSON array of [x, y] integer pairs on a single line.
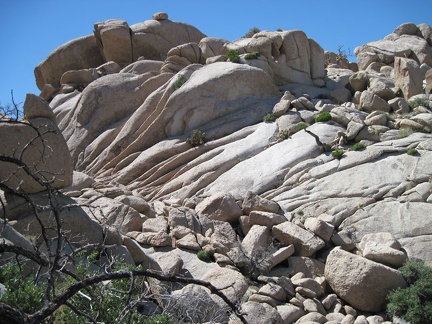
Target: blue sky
[[31, 29]]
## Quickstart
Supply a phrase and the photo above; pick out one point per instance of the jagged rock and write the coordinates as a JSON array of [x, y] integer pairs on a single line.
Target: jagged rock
[[221, 207], [284, 104], [265, 218], [257, 239], [114, 40], [383, 87], [383, 254], [399, 105], [306, 244], [362, 283], [36, 107], [407, 29], [253, 202], [376, 118], [408, 77], [320, 228], [370, 102], [155, 224]]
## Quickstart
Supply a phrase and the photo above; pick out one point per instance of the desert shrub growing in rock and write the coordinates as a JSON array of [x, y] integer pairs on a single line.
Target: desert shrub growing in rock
[[418, 101], [412, 151], [413, 303], [358, 147], [233, 55], [252, 56], [252, 31], [323, 117], [300, 126], [270, 117], [196, 138], [284, 134], [404, 132], [204, 255], [338, 153], [181, 79]]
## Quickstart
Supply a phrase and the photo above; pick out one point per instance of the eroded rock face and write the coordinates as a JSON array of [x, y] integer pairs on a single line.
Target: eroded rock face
[[362, 283], [264, 198], [38, 144]]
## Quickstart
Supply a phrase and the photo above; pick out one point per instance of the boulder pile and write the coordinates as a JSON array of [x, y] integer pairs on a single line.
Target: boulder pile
[[312, 185]]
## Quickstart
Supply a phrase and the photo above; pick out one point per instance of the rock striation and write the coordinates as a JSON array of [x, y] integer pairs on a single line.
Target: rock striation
[[310, 176]]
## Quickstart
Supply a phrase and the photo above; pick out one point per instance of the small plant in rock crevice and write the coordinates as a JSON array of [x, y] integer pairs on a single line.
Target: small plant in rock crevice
[[300, 126], [338, 153], [196, 138], [252, 56], [181, 79], [284, 134], [404, 132], [412, 151], [358, 147], [233, 55], [323, 117], [418, 101], [270, 117], [204, 255]]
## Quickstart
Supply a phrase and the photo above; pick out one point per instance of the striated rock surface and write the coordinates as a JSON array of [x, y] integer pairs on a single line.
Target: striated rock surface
[[276, 166]]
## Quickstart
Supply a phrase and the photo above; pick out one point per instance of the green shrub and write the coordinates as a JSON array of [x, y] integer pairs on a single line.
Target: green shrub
[[300, 126], [338, 153], [233, 55], [252, 56], [412, 151], [21, 292], [418, 101], [105, 302], [204, 255], [404, 132], [358, 147], [279, 30], [196, 138], [284, 134], [323, 117], [270, 117], [413, 303], [252, 31], [181, 79], [159, 319]]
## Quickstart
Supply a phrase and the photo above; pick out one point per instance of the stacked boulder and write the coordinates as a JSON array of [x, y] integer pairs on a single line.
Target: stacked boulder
[[295, 233]]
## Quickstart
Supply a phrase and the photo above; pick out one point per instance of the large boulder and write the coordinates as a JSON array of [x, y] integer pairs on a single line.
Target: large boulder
[[154, 38], [230, 282], [408, 77], [306, 243], [362, 283], [40, 155], [221, 207], [80, 53], [114, 41]]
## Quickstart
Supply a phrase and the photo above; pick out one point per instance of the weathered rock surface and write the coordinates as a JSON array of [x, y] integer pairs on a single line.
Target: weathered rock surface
[[266, 200], [362, 283]]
